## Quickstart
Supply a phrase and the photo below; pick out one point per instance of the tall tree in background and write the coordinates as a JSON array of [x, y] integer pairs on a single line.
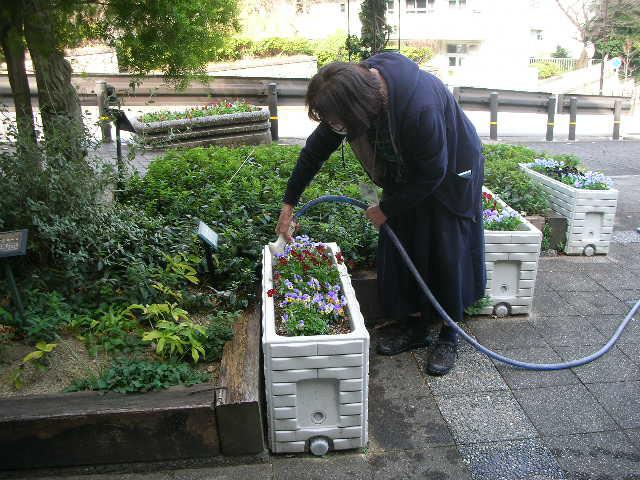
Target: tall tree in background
[[176, 37], [617, 33], [583, 15], [375, 31]]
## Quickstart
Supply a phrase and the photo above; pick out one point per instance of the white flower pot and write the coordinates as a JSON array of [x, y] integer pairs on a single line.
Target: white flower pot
[[511, 260], [316, 386], [589, 213]]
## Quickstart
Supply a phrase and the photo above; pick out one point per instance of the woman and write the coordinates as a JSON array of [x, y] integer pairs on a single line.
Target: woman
[[415, 142]]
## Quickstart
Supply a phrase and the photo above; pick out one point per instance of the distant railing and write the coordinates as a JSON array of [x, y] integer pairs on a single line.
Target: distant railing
[[566, 64]]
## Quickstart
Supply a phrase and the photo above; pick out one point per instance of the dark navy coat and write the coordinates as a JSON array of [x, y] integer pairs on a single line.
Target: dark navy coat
[[436, 213]]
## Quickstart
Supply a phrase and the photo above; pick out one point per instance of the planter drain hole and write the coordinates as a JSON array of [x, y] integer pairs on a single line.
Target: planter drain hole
[[318, 417]]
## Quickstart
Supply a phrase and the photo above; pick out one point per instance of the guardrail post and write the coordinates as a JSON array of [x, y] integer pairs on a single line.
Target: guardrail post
[[101, 94], [617, 111], [493, 122], [551, 115], [573, 113], [272, 100]]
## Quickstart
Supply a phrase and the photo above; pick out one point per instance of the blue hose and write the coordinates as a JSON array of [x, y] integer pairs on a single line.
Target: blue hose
[[510, 361]]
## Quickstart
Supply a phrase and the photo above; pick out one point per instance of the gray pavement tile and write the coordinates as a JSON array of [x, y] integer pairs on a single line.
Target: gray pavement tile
[[334, 466], [566, 281], [625, 255], [514, 460], [563, 410], [395, 376], [441, 463], [566, 330], [485, 417], [518, 378], [616, 278], [551, 303], [631, 350], [628, 296], [634, 436], [593, 303], [608, 324], [596, 456], [572, 263], [505, 332], [473, 372], [260, 471], [614, 366], [405, 422], [621, 400]]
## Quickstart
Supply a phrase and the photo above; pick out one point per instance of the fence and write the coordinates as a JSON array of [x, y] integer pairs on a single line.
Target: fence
[[541, 102], [565, 64], [152, 89]]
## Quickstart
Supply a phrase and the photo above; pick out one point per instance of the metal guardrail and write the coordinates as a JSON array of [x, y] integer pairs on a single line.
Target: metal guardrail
[[273, 91], [471, 98]]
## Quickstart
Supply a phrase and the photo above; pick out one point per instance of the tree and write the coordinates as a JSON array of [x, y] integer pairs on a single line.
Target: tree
[[618, 32], [560, 52], [374, 33], [177, 37], [582, 14]]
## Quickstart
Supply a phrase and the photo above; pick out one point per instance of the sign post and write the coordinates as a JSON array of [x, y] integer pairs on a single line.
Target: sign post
[[13, 244], [209, 240]]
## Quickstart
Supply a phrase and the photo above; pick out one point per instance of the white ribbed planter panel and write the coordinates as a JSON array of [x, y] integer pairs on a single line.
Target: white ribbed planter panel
[[511, 260], [316, 386], [243, 128], [589, 213]]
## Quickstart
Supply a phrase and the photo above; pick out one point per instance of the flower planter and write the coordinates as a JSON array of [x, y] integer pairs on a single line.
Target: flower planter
[[316, 386], [589, 214], [511, 259], [244, 128]]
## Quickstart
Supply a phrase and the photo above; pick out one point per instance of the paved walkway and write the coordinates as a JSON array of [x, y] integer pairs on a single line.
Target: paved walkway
[[488, 421]]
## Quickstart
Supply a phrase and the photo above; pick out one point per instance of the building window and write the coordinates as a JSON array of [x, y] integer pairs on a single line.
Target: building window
[[391, 6], [457, 3], [456, 53], [419, 6], [537, 35]]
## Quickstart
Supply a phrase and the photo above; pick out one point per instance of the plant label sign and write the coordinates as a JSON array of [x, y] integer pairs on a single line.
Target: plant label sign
[[208, 236], [13, 244]]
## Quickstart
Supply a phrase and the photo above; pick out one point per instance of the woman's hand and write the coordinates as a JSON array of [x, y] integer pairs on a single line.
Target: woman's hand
[[285, 222], [376, 215]]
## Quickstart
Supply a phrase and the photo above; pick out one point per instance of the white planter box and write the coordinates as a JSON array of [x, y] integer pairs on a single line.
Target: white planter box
[[589, 214], [316, 386], [511, 260]]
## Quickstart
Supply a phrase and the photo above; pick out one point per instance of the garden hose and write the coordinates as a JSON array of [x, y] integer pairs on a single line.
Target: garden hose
[[454, 325]]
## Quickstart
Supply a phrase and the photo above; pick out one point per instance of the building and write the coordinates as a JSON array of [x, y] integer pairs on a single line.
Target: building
[[494, 37]]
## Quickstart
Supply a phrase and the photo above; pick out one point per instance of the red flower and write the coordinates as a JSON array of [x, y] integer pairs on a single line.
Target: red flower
[[340, 257], [283, 261], [272, 292]]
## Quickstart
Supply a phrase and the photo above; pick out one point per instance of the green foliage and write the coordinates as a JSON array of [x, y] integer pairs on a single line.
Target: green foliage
[[46, 314], [477, 307], [110, 329], [560, 52], [303, 320], [546, 237], [175, 340], [504, 178], [219, 329], [420, 55], [547, 69], [39, 356], [242, 207], [129, 376], [222, 108]]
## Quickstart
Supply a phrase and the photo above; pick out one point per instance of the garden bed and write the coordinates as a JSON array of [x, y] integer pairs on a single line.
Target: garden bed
[[231, 129], [316, 385], [590, 213]]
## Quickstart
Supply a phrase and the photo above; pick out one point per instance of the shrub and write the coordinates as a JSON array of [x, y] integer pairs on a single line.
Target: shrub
[[420, 55], [219, 330], [504, 177], [128, 376], [547, 69]]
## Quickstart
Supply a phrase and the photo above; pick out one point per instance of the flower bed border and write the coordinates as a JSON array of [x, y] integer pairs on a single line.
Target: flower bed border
[[242, 128], [574, 204], [288, 360], [521, 246]]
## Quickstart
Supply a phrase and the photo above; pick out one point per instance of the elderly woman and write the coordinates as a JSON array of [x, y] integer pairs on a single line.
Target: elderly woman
[[415, 142]]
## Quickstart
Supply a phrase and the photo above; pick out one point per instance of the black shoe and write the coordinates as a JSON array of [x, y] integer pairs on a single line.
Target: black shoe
[[442, 359], [401, 340]]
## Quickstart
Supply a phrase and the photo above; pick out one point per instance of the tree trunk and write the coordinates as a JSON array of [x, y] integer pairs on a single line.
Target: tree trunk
[[12, 42], [58, 99]]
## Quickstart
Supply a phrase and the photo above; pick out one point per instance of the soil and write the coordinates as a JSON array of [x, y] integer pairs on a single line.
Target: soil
[[69, 361]]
